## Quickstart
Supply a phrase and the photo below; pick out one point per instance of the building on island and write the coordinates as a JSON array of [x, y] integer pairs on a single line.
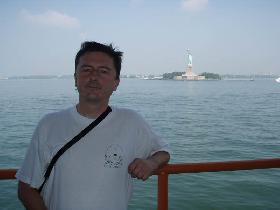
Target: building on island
[[189, 74]]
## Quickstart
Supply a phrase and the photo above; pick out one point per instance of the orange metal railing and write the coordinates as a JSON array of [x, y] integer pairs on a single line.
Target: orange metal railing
[[187, 168], [206, 167], [7, 173]]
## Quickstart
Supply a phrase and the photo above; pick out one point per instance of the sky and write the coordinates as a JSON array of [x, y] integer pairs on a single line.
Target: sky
[[42, 37]]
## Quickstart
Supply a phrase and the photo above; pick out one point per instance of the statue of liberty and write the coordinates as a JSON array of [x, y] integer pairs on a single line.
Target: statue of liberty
[[189, 58], [189, 74]]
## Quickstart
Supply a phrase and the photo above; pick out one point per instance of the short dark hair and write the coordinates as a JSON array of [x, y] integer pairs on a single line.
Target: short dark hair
[[113, 52]]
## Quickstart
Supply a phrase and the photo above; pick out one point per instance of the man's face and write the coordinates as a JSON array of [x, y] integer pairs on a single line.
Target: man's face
[[95, 77]]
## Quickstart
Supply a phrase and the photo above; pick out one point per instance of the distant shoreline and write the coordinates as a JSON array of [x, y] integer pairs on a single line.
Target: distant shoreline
[[150, 77]]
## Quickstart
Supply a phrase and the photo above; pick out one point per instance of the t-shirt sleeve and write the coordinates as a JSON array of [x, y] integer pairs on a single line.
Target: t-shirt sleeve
[[148, 142], [32, 169]]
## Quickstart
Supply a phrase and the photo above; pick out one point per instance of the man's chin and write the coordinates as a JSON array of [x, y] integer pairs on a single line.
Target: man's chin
[[89, 97], [92, 98]]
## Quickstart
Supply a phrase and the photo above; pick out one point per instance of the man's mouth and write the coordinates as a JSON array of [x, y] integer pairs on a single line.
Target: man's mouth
[[93, 86]]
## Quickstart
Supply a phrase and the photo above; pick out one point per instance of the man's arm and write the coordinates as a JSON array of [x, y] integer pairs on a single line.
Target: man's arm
[[144, 168], [30, 197]]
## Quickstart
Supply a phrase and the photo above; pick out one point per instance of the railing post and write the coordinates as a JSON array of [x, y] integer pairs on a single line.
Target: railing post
[[163, 191], [7, 173]]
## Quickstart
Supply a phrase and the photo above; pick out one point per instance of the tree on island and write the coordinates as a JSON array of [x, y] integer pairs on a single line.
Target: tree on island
[[210, 75], [172, 75], [206, 74]]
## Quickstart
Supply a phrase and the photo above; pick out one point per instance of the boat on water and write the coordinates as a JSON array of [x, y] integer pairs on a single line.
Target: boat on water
[[278, 80]]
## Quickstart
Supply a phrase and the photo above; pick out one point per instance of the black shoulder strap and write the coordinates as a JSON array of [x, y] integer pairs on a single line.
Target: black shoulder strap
[[72, 142]]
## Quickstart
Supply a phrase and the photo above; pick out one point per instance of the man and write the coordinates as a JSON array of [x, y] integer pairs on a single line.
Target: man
[[95, 173]]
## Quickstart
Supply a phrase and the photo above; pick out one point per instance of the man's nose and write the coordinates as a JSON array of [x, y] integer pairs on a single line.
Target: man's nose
[[94, 74]]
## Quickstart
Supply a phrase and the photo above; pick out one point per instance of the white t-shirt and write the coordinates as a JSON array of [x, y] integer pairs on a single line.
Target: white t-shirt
[[93, 173]]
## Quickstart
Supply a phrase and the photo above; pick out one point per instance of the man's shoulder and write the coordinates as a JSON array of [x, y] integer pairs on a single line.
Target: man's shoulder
[[125, 112], [56, 116], [128, 115]]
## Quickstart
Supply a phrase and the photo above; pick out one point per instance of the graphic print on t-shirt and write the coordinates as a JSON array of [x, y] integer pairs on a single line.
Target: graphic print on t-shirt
[[113, 156]]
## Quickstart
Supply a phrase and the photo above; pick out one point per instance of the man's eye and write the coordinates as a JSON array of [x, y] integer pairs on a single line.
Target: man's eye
[[103, 71], [85, 70]]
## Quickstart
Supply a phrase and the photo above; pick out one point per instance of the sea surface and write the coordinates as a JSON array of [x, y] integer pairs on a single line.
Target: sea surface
[[202, 121]]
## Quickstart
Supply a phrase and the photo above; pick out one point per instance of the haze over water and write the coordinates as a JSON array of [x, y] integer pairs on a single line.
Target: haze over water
[[203, 121]]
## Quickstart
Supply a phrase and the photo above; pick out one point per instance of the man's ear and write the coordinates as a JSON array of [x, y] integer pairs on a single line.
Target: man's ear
[[117, 82], [75, 78]]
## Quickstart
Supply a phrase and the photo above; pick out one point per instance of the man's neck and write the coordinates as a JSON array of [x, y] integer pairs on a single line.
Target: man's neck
[[91, 110]]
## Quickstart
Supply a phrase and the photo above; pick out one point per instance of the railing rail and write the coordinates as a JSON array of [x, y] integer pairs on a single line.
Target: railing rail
[[187, 168], [206, 167], [7, 173]]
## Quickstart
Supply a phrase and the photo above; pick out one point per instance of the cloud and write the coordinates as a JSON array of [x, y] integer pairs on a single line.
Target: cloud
[[51, 18], [194, 5]]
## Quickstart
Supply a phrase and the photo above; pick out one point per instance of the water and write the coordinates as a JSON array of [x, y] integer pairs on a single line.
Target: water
[[202, 121]]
